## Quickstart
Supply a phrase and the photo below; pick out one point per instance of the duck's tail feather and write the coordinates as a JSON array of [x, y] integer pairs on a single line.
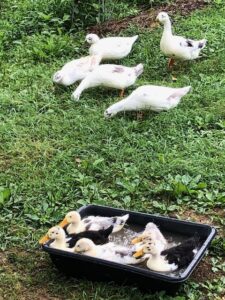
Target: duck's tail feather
[[202, 44], [135, 38], [106, 232], [175, 97], [139, 69]]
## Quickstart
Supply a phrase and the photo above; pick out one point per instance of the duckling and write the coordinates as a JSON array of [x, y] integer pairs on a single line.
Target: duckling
[[57, 234], [74, 224], [109, 251], [177, 47], [149, 97], [170, 259], [152, 233], [110, 47], [76, 70], [113, 76]]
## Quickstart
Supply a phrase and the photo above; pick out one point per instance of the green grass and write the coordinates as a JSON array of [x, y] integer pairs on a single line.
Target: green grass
[[168, 163]]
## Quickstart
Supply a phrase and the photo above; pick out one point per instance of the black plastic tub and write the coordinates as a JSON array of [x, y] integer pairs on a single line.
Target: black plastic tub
[[82, 266]]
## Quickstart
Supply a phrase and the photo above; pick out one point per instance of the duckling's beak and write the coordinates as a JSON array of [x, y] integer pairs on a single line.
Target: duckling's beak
[[136, 240], [138, 253], [44, 239], [63, 223]]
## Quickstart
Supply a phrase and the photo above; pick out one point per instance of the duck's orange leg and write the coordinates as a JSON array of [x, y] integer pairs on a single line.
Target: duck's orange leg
[[122, 93], [171, 63]]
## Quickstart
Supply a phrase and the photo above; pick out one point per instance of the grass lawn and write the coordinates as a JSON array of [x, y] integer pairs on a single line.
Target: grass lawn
[[56, 155]]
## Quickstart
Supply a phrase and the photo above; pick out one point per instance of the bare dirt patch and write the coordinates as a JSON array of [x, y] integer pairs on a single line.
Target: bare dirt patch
[[146, 19], [204, 271]]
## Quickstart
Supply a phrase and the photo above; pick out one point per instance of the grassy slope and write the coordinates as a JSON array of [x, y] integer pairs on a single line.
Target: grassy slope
[[124, 162]]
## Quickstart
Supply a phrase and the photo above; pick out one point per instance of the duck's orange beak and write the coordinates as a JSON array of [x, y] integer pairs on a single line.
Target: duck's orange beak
[[63, 223], [44, 239], [136, 240], [138, 253]]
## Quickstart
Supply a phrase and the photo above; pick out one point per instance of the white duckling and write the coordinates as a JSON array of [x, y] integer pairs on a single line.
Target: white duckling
[[110, 47], [177, 47], [73, 223], [113, 76], [153, 233], [57, 234], [170, 259], [109, 251], [76, 70], [149, 97]]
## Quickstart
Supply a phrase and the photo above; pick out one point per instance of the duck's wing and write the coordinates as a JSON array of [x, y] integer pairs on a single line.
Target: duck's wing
[[189, 43], [183, 253]]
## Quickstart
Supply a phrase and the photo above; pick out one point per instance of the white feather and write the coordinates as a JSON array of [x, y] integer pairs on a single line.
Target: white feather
[[110, 47], [149, 97], [113, 76]]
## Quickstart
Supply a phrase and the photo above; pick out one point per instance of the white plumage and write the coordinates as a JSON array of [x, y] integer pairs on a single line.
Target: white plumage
[[152, 233], [113, 76], [149, 97], [75, 225], [178, 47], [76, 70], [109, 251], [110, 47]]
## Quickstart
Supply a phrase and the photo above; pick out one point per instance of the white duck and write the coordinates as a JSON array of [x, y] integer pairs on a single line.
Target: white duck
[[113, 76], [110, 47], [149, 97], [74, 224], [177, 47], [76, 70], [170, 259], [153, 233], [109, 251]]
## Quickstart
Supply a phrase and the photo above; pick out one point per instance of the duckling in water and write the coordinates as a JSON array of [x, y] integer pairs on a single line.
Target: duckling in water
[[170, 259], [109, 251], [152, 233], [73, 223], [57, 238]]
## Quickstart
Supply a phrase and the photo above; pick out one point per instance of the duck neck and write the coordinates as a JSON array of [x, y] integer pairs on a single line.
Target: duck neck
[[167, 28], [73, 227], [60, 241], [92, 252]]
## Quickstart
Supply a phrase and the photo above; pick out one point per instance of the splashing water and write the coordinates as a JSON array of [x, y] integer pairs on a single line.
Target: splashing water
[[125, 236]]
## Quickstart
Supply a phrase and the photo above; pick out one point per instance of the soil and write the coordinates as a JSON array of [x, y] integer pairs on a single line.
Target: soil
[[146, 18], [203, 272]]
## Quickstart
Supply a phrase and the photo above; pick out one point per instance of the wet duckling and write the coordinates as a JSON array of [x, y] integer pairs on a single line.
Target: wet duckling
[[170, 259], [109, 251], [153, 233], [73, 223], [58, 237]]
